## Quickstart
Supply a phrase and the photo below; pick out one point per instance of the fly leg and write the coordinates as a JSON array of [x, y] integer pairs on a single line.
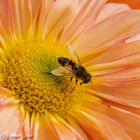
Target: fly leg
[[74, 86], [65, 88], [76, 81], [67, 85]]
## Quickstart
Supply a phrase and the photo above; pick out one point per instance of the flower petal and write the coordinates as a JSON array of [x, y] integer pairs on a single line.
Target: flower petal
[[127, 120], [134, 38], [5, 20], [111, 9], [123, 50], [88, 11], [59, 16], [92, 97], [109, 31], [64, 130], [126, 95], [46, 130], [8, 111], [30, 126], [7, 114], [12, 17], [56, 128], [118, 77], [44, 11], [114, 71], [5, 99], [77, 127], [108, 129]]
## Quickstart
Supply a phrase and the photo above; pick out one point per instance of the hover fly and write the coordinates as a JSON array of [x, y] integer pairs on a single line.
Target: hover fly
[[73, 69]]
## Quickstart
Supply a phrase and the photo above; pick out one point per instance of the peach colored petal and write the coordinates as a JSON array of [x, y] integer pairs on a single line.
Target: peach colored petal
[[5, 21], [91, 97], [35, 124], [127, 95], [5, 99], [118, 77], [64, 130], [127, 120], [110, 129], [56, 129], [77, 127], [107, 31], [44, 11], [122, 50], [92, 128], [118, 73], [59, 16], [134, 38], [88, 10], [28, 10], [12, 17], [124, 107], [5, 16], [4, 92], [31, 126], [46, 130], [7, 126], [110, 9]]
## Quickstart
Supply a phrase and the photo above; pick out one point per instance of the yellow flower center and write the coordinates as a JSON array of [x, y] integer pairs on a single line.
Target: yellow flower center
[[27, 73]]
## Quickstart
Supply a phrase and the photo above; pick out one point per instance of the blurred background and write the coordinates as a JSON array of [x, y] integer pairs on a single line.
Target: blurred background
[[132, 3]]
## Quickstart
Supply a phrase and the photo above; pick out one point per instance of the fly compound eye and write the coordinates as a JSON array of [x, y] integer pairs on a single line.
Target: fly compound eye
[[87, 79]]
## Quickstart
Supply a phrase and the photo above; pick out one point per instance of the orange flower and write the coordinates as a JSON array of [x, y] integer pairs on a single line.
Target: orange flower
[[38, 101], [131, 3]]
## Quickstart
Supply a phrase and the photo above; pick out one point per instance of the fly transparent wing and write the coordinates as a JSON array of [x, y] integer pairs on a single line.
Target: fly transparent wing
[[73, 52], [60, 71], [56, 72]]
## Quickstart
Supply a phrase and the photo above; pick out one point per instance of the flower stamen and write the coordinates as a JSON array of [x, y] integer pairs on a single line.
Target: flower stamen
[[28, 75]]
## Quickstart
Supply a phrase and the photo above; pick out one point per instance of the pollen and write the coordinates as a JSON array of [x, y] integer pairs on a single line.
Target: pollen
[[26, 71]]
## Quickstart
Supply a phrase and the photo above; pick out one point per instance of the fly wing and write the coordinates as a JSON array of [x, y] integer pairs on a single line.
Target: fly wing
[[60, 71], [57, 72], [73, 52]]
